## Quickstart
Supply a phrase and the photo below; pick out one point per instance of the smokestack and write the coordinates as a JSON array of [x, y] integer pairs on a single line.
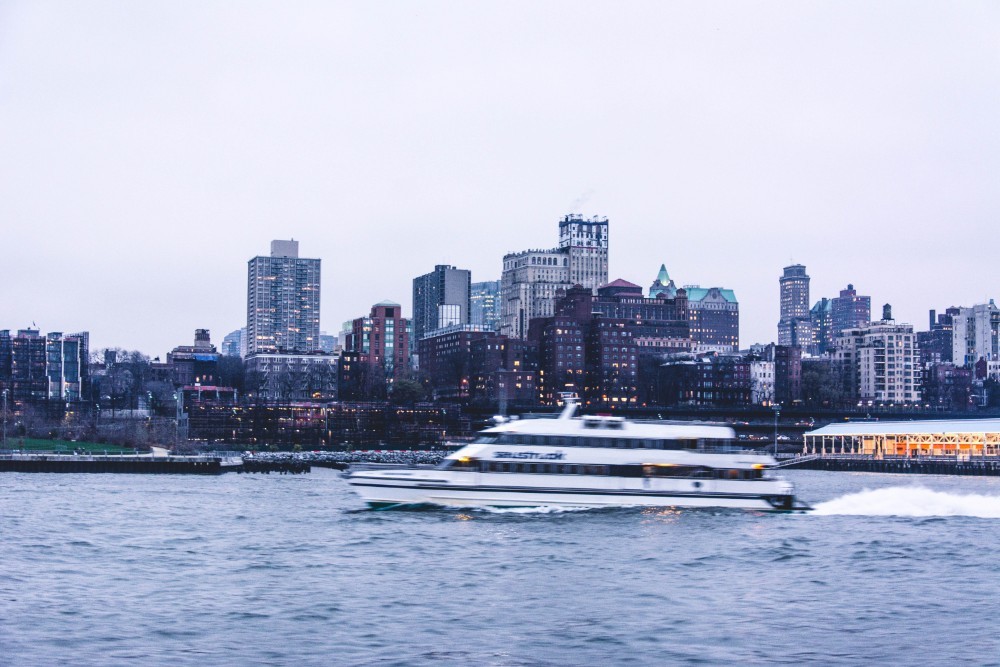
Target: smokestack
[[887, 311]]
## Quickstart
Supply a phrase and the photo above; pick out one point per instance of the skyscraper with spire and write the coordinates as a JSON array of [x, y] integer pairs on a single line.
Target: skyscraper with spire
[[663, 284]]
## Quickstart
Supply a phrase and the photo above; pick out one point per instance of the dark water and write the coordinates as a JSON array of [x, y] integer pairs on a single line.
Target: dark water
[[236, 570]]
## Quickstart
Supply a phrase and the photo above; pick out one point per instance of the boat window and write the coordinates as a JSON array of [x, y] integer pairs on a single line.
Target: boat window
[[717, 444], [670, 471], [485, 440], [459, 464]]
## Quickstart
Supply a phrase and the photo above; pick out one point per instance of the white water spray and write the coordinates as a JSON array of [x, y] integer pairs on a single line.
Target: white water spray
[[912, 501]]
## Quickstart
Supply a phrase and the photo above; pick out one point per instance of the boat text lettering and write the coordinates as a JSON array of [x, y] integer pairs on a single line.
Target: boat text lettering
[[551, 456]]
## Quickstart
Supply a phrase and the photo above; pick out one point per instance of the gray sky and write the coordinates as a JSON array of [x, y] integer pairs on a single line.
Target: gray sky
[[149, 149]]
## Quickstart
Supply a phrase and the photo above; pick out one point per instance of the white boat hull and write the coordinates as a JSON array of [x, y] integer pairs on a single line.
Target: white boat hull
[[392, 488]]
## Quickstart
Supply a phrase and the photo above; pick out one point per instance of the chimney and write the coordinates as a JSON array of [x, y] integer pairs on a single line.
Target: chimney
[[933, 318]]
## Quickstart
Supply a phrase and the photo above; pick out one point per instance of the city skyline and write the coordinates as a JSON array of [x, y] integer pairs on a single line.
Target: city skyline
[[147, 154]]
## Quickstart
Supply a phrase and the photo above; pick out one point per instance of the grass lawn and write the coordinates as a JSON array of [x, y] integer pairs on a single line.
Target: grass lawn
[[36, 445]]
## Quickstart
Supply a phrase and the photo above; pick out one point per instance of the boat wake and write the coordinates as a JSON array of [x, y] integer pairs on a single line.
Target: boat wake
[[911, 501]]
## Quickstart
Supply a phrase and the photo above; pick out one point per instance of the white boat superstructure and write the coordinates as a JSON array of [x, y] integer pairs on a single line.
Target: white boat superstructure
[[589, 462]]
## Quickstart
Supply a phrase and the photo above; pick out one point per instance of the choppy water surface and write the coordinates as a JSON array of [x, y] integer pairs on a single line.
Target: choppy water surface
[[173, 570]]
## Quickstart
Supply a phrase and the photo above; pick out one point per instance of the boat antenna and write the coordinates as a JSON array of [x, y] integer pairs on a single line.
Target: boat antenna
[[570, 401]]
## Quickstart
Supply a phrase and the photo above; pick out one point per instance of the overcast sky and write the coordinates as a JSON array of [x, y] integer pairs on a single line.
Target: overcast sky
[[149, 149]]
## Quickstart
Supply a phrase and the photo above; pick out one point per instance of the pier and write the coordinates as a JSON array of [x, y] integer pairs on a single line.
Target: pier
[[114, 463], [897, 464]]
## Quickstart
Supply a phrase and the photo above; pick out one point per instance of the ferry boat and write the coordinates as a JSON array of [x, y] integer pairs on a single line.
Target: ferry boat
[[588, 462]]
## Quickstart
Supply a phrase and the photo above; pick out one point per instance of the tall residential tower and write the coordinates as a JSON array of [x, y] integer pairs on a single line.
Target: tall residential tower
[[440, 299], [794, 327], [282, 301]]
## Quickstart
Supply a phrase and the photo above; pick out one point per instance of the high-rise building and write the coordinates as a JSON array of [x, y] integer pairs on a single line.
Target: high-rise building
[[283, 301], [821, 320], [440, 299], [531, 278], [233, 343], [328, 343], [936, 343], [883, 361], [976, 334], [586, 242], [382, 341], [714, 317], [528, 288], [794, 327], [34, 368], [484, 303], [829, 317], [66, 365], [849, 311]]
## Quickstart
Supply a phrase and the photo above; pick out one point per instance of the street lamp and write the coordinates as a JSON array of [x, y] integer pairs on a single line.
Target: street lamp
[[777, 412]]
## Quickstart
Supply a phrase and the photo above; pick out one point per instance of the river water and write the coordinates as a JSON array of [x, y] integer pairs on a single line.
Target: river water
[[292, 570]]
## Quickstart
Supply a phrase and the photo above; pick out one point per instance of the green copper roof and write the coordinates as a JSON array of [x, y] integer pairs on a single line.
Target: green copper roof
[[663, 276], [699, 293]]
